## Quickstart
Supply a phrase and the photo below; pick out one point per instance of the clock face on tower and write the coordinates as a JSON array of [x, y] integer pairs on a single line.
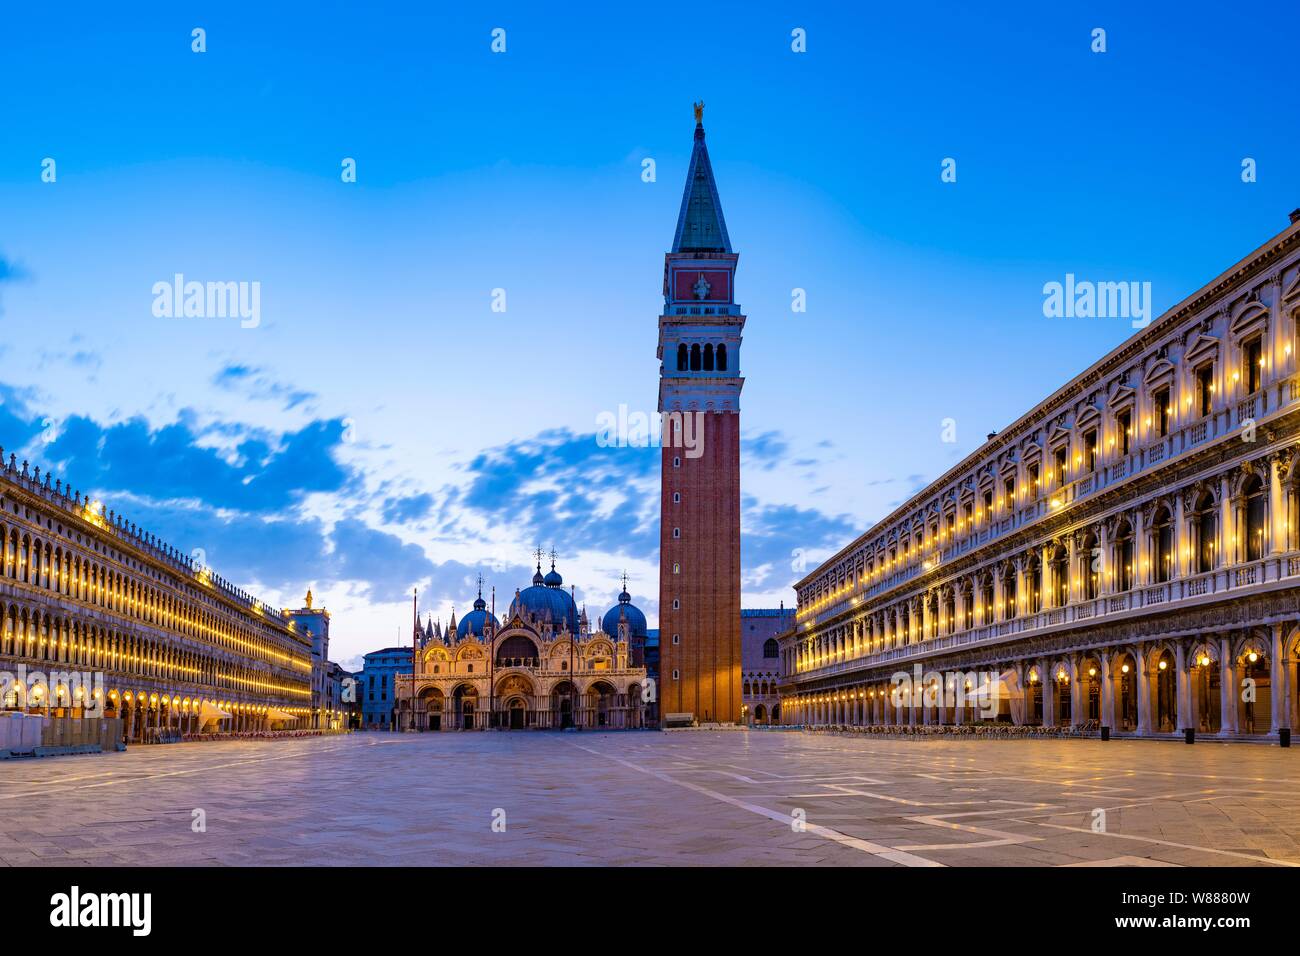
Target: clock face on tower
[[691, 283]]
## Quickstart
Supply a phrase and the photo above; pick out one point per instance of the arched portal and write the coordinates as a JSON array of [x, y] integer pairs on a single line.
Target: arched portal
[[1164, 702], [1206, 678], [428, 709], [563, 705], [1062, 698], [517, 708], [1090, 677], [1034, 697], [601, 703], [464, 704], [1254, 690]]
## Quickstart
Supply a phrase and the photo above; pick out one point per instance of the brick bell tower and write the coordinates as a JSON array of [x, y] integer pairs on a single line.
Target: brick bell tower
[[699, 401]]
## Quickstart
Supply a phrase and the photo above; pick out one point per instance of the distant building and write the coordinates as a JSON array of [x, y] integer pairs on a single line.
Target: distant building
[[652, 675], [375, 689], [760, 661], [315, 621], [333, 708], [350, 698]]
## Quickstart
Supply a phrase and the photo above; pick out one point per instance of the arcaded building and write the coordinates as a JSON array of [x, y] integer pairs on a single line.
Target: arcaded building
[[100, 618], [1125, 555]]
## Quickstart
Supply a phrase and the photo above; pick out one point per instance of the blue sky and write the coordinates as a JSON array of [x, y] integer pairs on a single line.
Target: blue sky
[[383, 428]]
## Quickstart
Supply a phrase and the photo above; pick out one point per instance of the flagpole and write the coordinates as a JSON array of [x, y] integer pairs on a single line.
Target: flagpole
[[415, 653]]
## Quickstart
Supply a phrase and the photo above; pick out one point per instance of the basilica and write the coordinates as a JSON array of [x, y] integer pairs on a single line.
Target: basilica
[[542, 666]]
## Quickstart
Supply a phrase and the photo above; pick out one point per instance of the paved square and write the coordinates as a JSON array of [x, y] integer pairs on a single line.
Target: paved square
[[645, 798]]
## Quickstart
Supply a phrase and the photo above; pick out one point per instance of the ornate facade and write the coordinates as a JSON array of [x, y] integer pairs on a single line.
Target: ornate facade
[[542, 667], [1126, 555], [106, 620]]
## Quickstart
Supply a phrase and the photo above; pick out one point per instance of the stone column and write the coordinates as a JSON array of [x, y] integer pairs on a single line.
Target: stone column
[[1228, 688], [1185, 717], [1074, 590], [1076, 695], [1143, 680], [1181, 540], [1227, 552], [1107, 690], [1280, 679], [1047, 681], [1104, 582], [1142, 573], [1276, 508]]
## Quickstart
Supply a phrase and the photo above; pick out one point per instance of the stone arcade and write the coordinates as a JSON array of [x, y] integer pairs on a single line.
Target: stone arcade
[[1126, 554]]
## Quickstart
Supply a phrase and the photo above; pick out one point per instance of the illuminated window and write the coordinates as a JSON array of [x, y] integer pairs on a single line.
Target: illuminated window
[[1205, 388], [1162, 411], [1252, 357]]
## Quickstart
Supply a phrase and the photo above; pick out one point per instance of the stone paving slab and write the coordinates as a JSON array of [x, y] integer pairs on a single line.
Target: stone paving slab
[[650, 799]]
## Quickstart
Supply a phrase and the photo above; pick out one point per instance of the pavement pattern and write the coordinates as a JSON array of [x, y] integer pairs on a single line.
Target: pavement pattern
[[651, 799]]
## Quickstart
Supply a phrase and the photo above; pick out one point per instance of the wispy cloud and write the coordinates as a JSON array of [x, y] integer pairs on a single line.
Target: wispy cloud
[[255, 383], [10, 271]]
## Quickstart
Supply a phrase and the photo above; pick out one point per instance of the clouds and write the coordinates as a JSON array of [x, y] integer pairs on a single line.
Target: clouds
[[767, 450], [255, 383], [260, 473], [387, 567], [403, 510], [279, 511], [10, 271], [564, 489], [779, 543]]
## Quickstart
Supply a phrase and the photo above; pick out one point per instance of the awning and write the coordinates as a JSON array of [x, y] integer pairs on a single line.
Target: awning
[[273, 714], [209, 712]]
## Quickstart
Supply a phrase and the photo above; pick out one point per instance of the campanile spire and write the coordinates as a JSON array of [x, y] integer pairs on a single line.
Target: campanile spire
[[700, 334]]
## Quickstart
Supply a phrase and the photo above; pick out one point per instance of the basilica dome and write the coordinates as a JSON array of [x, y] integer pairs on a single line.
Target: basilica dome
[[474, 622], [547, 602], [636, 623]]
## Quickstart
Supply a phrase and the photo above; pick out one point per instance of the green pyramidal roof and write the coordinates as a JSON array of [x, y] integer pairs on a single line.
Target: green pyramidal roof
[[700, 226]]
